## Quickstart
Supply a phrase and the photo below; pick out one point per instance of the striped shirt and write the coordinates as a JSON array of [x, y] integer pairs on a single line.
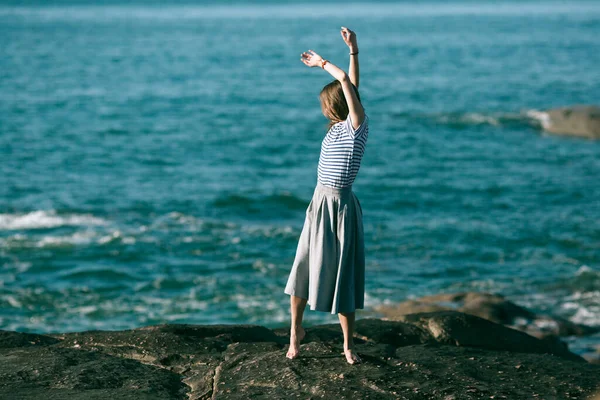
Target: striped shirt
[[341, 152]]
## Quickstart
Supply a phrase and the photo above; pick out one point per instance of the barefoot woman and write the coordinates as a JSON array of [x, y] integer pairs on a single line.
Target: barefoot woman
[[329, 267]]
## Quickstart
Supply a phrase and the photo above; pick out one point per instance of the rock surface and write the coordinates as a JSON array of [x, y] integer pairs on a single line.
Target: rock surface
[[580, 120], [437, 355], [493, 307]]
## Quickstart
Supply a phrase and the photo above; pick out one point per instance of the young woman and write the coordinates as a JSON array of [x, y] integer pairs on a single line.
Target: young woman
[[329, 267]]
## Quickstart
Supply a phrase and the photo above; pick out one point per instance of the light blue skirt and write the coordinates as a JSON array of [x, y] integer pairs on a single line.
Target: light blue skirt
[[329, 267]]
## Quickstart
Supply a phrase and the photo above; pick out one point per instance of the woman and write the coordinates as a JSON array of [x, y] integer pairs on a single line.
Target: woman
[[329, 267]]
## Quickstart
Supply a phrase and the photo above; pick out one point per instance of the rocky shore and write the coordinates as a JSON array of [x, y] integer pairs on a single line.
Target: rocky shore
[[441, 354], [496, 308]]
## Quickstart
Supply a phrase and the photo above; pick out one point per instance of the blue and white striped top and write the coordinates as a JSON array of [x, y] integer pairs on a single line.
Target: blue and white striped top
[[341, 152]]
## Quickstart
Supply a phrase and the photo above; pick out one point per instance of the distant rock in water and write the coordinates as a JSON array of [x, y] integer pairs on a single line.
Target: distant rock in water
[[582, 121], [436, 355]]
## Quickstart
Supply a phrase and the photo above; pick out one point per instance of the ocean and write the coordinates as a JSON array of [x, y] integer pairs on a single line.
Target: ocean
[[157, 161]]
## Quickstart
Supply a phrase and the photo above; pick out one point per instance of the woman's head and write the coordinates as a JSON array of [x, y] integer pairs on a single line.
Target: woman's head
[[333, 102]]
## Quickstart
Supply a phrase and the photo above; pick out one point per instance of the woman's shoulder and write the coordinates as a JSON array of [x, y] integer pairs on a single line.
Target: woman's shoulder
[[349, 127], [345, 126], [349, 119]]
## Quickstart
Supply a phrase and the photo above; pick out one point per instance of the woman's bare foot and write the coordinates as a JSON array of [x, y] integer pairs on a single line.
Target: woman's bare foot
[[296, 335], [352, 357]]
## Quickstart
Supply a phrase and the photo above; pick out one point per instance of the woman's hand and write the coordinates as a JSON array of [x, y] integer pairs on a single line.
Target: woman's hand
[[311, 59], [349, 38]]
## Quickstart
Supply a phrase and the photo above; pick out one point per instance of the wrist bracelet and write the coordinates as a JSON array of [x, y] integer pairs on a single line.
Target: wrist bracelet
[[353, 54], [323, 62]]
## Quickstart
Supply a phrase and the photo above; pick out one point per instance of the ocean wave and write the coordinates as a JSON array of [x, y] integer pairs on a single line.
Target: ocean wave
[[585, 279], [79, 238], [100, 274], [89, 230], [270, 204], [272, 231], [575, 297], [42, 219], [470, 119], [584, 307], [458, 120], [193, 221]]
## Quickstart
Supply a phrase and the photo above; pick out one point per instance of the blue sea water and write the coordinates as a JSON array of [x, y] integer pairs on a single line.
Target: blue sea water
[[157, 161]]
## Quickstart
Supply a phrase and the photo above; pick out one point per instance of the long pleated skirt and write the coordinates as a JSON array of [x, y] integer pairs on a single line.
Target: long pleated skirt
[[329, 266]]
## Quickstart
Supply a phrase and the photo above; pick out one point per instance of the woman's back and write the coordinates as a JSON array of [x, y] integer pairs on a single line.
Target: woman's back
[[342, 150]]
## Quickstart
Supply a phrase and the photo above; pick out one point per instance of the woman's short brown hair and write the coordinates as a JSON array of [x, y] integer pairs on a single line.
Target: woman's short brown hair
[[333, 102]]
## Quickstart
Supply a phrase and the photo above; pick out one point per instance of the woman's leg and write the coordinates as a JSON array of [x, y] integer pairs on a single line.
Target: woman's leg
[[347, 323], [297, 305]]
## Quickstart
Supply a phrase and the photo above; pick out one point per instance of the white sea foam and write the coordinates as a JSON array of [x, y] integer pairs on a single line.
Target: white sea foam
[[540, 116], [587, 315], [46, 219], [471, 119], [270, 231], [114, 236], [77, 238], [17, 266], [584, 306], [583, 269], [84, 310], [262, 266], [13, 301], [570, 305], [245, 302], [180, 316], [591, 295]]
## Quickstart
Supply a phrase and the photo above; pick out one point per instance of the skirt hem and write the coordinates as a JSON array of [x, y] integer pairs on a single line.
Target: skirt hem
[[331, 311]]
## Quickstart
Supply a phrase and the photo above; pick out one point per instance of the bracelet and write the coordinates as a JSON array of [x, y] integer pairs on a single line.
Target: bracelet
[[323, 62], [353, 54]]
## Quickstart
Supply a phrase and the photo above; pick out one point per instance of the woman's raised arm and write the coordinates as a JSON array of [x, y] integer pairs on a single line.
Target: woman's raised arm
[[350, 40], [355, 108]]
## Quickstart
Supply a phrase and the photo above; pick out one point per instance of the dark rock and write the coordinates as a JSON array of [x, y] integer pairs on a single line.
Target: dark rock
[[25, 372], [460, 329], [366, 329], [9, 339], [485, 305], [391, 332], [438, 355], [493, 307]]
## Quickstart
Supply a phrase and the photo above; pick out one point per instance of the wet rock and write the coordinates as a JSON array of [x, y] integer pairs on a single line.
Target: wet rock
[[490, 306], [437, 355], [27, 372], [493, 307], [391, 332], [461, 329]]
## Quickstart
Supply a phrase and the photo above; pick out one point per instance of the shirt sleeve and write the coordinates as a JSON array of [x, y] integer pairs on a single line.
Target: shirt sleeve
[[354, 133]]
